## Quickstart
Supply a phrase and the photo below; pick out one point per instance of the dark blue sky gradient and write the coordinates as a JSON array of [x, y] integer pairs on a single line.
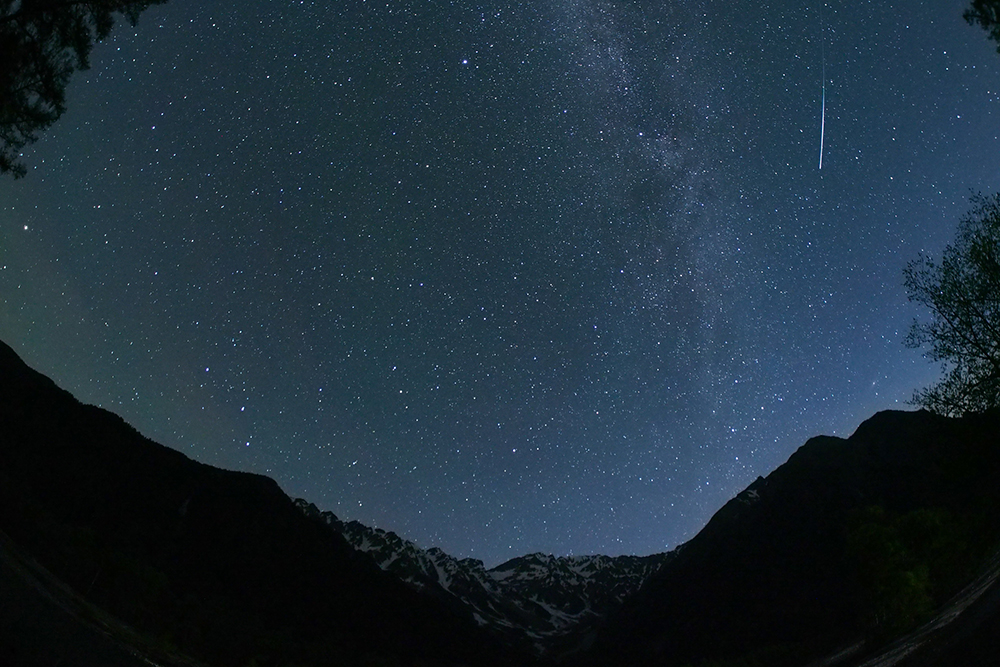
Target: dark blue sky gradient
[[558, 277]]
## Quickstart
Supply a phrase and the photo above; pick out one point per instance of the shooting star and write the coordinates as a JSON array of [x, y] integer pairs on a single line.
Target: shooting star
[[822, 117], [822, 127]]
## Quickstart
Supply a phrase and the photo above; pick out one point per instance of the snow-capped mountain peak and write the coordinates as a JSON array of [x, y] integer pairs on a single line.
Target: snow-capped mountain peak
[[542, 597]]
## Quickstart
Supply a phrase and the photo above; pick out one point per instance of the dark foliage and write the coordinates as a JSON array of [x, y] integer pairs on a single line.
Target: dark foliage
[[962, 291], [42, 42], [985, 14], [908, 564]]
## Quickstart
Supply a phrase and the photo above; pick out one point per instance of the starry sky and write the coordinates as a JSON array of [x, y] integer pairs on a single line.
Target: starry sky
[[560, 276]]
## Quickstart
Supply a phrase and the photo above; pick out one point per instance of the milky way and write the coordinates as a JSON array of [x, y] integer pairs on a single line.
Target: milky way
[[559, 277]]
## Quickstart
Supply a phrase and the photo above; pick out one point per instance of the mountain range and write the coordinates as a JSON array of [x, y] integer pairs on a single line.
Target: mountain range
[[545, 603], [877, 550]]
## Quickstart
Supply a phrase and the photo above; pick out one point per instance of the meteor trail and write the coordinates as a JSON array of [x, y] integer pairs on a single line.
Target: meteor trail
[[822, 127], [822, 117]]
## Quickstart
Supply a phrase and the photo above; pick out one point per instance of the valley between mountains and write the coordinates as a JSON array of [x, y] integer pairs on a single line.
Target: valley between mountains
[[546, 603], [879, 550]]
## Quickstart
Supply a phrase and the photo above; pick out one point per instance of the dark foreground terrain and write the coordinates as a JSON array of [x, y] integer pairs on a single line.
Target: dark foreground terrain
[[965, 633], [115, 550], [44, 623]]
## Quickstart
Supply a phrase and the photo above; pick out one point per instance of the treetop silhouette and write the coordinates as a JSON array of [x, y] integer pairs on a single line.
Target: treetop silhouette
[[42, 42], [962, 291], [985, 14]]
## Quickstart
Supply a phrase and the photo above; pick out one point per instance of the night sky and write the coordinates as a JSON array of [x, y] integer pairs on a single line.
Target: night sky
[[561, 276]]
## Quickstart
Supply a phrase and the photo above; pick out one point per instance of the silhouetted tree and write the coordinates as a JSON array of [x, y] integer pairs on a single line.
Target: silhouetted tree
[[42, 42], [985, 14], [963, 294]]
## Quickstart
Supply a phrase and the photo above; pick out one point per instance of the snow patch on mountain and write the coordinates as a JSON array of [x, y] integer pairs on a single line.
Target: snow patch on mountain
[[541, 597]]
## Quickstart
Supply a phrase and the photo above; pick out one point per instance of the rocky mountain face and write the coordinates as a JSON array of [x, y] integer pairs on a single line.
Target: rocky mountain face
[[549, 603], [848, 544]]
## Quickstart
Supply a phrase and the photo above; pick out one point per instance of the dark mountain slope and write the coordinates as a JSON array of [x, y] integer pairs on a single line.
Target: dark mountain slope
[[850, 539], [220, 564], [547, 604]]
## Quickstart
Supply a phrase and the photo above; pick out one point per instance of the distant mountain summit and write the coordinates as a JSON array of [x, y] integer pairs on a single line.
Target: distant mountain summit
[[553, 602]]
